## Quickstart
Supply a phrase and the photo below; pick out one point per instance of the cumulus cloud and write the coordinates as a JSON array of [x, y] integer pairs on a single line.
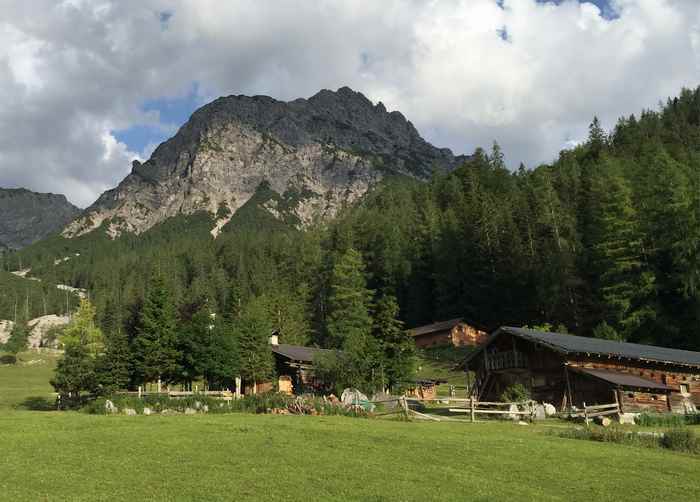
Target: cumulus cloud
[[527, 73]]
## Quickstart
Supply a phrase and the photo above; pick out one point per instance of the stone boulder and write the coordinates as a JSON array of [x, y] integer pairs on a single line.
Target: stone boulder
[[130, 412], [603, 421], [512, 412], [626, 419], [147, 411], [549, 409], [190, 411], [539, 412]]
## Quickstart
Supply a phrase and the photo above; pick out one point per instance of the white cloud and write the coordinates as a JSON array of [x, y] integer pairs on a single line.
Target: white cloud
[[71, 72]]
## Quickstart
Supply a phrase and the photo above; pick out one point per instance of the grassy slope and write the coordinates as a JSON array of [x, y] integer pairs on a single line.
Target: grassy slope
[[58, 456], [439, 364], [28, 379]]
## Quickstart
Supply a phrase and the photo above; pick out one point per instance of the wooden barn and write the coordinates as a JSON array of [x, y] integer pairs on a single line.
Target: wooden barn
[[454, 332], [294, 366], [568, 370]]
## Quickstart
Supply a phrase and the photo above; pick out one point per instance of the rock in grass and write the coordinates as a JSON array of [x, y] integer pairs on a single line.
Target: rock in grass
[[130, 412], [190, 411], [626, 419], [147, 411], [604, 421], [549, 409]]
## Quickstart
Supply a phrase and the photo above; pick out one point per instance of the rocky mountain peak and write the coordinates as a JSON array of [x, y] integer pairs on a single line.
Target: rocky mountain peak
[[321, 153], [26, 216]]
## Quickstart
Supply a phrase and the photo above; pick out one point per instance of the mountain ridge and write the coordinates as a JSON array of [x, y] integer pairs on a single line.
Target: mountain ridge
[[319, 154], [27, 217]]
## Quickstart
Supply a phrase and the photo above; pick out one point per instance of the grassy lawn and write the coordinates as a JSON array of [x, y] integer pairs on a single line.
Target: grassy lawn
[[69, 455], [28, 379]]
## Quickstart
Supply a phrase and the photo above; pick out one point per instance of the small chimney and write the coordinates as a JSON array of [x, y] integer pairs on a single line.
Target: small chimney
[[274, 340]]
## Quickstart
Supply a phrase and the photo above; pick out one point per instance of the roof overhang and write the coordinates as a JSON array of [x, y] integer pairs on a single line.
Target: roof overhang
[[621, 379]]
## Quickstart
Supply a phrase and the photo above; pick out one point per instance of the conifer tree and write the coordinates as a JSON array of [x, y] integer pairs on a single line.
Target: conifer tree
[[252, 330], [155, 346], [626, 284], [349, 322], [83, 343], [397, 346]]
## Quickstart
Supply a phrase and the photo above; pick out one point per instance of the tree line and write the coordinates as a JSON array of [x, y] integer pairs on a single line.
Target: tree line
[[602, 242]]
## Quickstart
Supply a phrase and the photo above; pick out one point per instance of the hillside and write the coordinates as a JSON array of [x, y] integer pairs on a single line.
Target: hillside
[[26, 217]]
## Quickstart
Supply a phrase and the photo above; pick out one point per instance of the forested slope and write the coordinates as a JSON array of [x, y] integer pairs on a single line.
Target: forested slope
[[604, 242]]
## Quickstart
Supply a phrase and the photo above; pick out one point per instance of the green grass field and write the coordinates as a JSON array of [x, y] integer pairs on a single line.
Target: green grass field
[[73, 456]]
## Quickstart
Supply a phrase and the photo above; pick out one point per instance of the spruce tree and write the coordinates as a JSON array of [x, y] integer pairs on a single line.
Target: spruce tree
[[348, 323], [252, 331], [155, 346], [398, 348]]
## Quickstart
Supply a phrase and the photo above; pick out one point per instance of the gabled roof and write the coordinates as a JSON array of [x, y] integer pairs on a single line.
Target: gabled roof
[[436, 326], [570, 344], [299, 353], [621, 379]]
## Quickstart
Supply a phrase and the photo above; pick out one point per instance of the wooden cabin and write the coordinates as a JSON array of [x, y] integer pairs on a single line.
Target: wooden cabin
[[454, 332], [294, 366], [568, 370]]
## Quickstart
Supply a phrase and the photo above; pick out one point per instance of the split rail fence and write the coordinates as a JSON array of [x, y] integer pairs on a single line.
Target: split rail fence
[[472, 407]]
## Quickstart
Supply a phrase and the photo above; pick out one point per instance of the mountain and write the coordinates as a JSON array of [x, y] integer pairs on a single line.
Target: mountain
[[26, 217], [312, 156]]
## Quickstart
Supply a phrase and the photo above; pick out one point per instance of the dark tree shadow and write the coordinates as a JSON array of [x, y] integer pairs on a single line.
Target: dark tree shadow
[[37, 403]]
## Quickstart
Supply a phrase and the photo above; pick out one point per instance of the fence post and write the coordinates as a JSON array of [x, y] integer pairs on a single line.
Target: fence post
[[471, 406], [585, 414], [404, 405]]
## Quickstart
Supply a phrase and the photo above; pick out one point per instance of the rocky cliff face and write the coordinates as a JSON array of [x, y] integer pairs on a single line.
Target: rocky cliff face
[[26, 217], [317, 154]]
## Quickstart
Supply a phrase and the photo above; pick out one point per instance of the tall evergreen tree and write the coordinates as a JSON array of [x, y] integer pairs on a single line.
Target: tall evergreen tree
[[155, 346], [398, 348], [252, 331]]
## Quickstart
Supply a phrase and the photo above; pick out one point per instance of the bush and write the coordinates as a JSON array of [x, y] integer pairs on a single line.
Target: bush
[[516, 393], [682, 440], [667, 419], [8, 359], [679, 439]]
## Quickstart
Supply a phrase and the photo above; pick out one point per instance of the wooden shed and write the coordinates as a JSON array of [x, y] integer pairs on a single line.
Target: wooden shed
[[294, 366], [454, 332], [568, 370]]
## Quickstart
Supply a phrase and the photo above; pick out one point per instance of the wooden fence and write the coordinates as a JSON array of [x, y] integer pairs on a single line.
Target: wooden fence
[[471, 407]]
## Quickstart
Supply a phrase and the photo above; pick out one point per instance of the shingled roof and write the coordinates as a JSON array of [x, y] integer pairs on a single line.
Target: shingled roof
[[436, 326], [570, 344], [299, 353]]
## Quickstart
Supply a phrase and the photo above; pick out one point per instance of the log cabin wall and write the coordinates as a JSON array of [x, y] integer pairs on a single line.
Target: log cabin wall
[[435, 339], [678, 377], [464, 335]]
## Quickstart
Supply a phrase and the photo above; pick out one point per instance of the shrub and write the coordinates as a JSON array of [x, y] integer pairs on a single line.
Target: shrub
[[667, 419], [679, 439], [8, 359], [516, 393]]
